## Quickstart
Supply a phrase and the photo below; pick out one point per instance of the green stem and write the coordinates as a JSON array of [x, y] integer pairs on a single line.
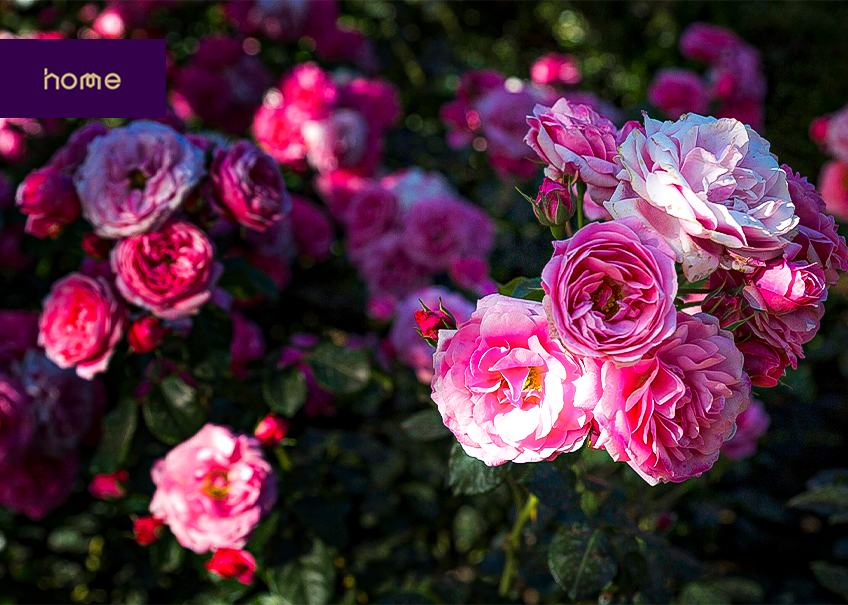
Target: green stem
[[514, 542]]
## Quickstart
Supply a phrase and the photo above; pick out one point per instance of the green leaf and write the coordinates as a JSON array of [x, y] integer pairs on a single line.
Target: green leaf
[[167, 555], [833, 577], [827, 499], [266, 599], [339, 369], [244, 281], [119, 427], [697, 593], [286, 583], [467, 475], [285, 391], [426, 425], [311, 579], [579, 560], [523, 287], [173, 412]]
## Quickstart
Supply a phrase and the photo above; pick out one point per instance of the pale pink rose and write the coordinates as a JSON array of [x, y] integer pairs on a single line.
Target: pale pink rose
[[213, 489], [170, 272], [705, 42], [248, 186], [81, 323], [437, 231], [833, 185], [135, 177], [507, 390], [16, 422], [783, 286], [339, 141], [817, 233], [311, 228], [248, 344], [48, 198], [555, 68], [708, 186], [668, 415], [575, 141], [609, 290], [412, 350], [18, 332], [35, 484], [372, 212], [751, 424], [837, 134], [676, 91]]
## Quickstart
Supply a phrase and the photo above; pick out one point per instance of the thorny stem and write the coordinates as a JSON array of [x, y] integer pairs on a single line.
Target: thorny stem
[[513, 542]]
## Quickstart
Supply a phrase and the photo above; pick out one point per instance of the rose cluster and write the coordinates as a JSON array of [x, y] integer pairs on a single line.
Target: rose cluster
[[830, 132], [734, 85], [697, 206]]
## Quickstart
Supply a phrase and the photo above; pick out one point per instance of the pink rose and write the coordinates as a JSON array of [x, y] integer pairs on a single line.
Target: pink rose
[[170, 272], [472, 273], [554, 205], [833, 185], [145, 334], [312, 230], [248, 186], [783, 286], [232, 563], [705, 42], [837, 134], [507, 390], [677, 91], [575, 142], [339, 141], [610, 290], [213, 489], [668, 415], [387, 267], [81, 324], [371, 213], [49, 200], [247, 345], [411, 349], [555, 68], [134, 178], [271, 430], [710, 187], [751, 424]]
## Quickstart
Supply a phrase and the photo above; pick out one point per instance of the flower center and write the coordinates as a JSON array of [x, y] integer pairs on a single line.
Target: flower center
[[137, 179], [217, 484], [606, 298], [534, 380]]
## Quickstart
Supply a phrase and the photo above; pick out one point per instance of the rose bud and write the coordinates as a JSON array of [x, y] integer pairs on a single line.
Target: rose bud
[[109, 486], [232, 563], [430, 322], [49, 200], [553, 205], [147, 530], [271, 430], [145, 334], [95, 246]]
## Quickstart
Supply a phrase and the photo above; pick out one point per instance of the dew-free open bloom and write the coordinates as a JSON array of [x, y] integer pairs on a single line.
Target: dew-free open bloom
[[213, 489], [507, 390], [81, 324], [170, 272], [668, 415], [609, 290], [707, 186], [134, 177]]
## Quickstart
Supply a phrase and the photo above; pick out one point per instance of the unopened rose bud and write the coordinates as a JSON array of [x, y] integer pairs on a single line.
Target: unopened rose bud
[[95, 246], [147, 530], [553, 206], [271, 430], [232, 563], [109, 486], [145, 334], [431, 322]]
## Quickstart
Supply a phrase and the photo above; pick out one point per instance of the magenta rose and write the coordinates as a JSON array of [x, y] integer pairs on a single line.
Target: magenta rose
[[555, 68], [410, 348], [706, 43], [751, 424], [678, 91], [248, 344], [710, 187], [170, 272], [48, 198], [387, 267], [81, 324], [213, 489], [339, 141], [668, 415], [135, 177], [576, 142], [507, 390], [372, 212], [610, 289], [312, 230], [248, 186], [783, 286]]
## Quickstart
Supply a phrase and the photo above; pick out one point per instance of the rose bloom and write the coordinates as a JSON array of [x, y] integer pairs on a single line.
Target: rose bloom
[[232, 563], [134, 178], [705, 42], [833, 184], [388, 269], [372, 212], [677, 91], [213, 489], [170, 272], [312, 230], [783, 286], [410, 348], [709, 186], [507, 390], [555, 68], [249, 188], [145, 334], [339, 141], [668, 415], [750, 426], [836, 138], [81, 324], [147, 530], [610, 290], [49, 200]]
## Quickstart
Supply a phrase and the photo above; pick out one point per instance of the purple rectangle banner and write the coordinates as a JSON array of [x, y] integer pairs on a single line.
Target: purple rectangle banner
[[82, 78]]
